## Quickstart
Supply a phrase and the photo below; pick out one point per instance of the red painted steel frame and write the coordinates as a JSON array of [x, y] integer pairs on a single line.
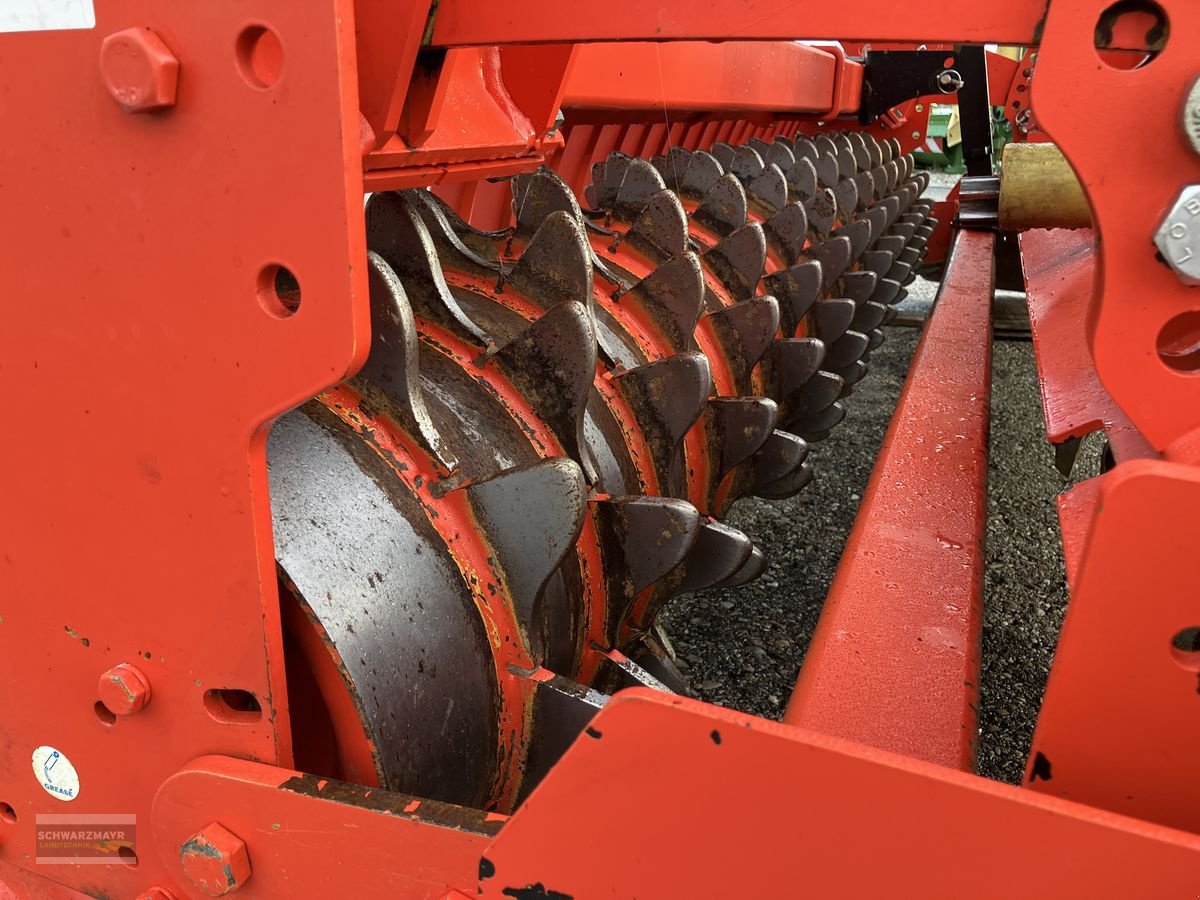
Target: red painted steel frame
[[894, 662], [480, 21], [1060, 276], [143, 331], [738, 76]]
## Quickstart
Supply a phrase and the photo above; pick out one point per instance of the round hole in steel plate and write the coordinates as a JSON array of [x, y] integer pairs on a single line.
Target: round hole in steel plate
[[1179, 343], [106, 716], [259, 56], [232, 706], [278, 291], [1131, 33], [8, 814], [1185, 648], [128, 856]]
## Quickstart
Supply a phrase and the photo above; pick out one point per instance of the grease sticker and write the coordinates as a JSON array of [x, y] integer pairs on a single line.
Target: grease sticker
[[46, 15], [55, 773]]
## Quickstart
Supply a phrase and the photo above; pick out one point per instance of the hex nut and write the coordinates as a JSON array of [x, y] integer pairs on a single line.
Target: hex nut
[[124, 690], [1191, 115], [1178, 237], [215, 860], [139, 70]]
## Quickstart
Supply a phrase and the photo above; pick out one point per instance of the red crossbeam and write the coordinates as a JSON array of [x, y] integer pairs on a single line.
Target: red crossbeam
[[894, 662]]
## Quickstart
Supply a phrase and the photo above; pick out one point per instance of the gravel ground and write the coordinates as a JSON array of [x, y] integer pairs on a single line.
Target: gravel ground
[[743, 647]]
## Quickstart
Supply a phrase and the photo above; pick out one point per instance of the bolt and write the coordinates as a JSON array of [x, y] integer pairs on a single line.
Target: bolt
[[139, 70], [1178, 237], [124, 690], [949, 81], [1191, 115], [215, 860]]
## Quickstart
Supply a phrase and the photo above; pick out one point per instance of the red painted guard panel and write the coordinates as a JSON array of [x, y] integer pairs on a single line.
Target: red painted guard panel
[[736, 76], [894, 662], [766, 810], [143, 367], [1060, 278]]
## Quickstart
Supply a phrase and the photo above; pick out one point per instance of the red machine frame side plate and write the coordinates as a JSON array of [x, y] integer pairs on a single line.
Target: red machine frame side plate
[[137, 523]]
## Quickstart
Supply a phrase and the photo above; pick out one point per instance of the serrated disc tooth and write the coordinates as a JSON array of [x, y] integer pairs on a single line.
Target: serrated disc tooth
[[877, 262], [892, 206], [904, 230], [553, 364], [821, 391], [703, 172], [858, 233], [752, 569], [651, 535], [667, 396], [673, 296], [769, 189], [392, 362], [796, 288], [827, 171], [781, 455], [887, 291], [853, 373], [862, 156], [746, 330], [779, 153], [661, 226], [557, 263], [723, 154], [740, 426], [788, 486], [874, 151], [859, 286], [746, 163], [874, 340], [530, 517], [845, 350], [718, 554], [537, 195], [397, 232], [891, 243], [802, 180], [832, 316], [911, 255], [900, 271], [877, 216], [846, 192], [723, 207], [869, 316], [822, 212], [673, 167], [865, 188], [824, 144], [759, 146], [804, 148], [641, 182], [834, 256], [787, 232], [819, 424], [792, 363], [738, 260]]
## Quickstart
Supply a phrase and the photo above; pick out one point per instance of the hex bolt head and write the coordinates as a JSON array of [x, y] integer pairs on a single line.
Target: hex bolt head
[[1178, 237], [1191, 115], [139, 70], [124, 690], [215, 860]]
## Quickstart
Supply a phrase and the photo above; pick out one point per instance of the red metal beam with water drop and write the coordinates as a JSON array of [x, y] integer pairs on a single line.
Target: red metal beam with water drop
[[894, 662]]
